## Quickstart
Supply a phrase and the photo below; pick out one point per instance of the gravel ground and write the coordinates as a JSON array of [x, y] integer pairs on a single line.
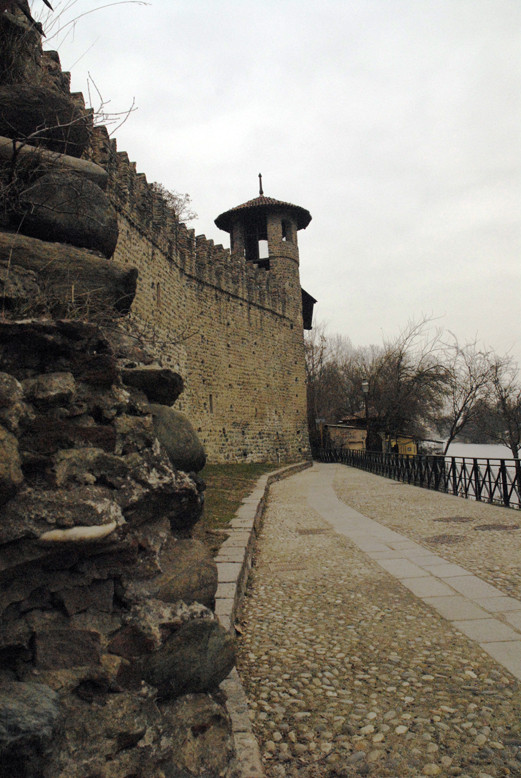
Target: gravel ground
[[346, 672]]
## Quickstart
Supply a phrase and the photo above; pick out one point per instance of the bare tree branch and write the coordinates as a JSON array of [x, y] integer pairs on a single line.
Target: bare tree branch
[[469, 383]]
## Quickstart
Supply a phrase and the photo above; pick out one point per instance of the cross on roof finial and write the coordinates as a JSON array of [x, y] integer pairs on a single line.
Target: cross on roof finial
[[260, 185]]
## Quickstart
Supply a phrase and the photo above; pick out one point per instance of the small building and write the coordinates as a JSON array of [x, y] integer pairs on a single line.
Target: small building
[[351, 433], [346, 436]]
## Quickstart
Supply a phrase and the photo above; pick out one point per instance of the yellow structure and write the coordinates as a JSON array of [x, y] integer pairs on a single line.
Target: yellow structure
[[402, 444]]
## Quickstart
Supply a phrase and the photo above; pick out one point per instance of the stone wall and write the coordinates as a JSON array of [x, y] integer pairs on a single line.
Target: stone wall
[[233, 330]]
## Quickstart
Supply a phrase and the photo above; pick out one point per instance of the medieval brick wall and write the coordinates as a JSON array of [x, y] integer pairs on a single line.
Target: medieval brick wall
[[232, 330]]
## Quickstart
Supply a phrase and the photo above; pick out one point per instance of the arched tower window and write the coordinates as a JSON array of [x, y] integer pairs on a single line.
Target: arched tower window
[[256, 238], [287, 231]]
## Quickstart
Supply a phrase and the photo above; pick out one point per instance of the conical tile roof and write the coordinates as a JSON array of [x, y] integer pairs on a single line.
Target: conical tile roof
[[262, 203]]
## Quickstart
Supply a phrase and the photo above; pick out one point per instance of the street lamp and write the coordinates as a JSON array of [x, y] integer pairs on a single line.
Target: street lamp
[[365, 390]]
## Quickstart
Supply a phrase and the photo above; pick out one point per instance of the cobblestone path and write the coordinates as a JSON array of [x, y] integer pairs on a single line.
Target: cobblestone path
[[347, 672]]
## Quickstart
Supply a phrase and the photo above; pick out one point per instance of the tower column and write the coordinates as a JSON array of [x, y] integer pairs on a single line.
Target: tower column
[[264, 231]]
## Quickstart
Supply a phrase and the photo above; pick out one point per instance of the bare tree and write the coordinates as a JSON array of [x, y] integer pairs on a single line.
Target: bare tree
[[407, 381], [504, 421], [318, 363], [61, 24], [181, 204], [469, 375]]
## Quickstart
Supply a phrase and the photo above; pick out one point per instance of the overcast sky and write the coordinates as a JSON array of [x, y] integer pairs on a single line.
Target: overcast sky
[[396, 123]]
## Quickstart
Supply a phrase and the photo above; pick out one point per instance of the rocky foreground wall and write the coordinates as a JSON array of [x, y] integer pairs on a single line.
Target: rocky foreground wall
[[110, 653]]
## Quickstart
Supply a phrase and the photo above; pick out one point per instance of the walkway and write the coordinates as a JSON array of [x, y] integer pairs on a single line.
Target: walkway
[[374, 643]]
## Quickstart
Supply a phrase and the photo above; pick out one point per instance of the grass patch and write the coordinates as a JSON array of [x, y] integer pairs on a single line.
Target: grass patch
[[226, 487]]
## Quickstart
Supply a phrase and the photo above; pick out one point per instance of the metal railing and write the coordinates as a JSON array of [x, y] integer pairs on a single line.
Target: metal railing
[[496, 481]]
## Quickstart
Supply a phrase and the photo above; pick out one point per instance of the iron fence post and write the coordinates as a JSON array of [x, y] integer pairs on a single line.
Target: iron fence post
[[504, 483], [454, 476], [477, 481], [517, 481]]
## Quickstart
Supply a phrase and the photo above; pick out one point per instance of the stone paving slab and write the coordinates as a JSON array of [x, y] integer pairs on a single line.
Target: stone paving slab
[[405, 545], [426, 587], [245, 524], [225, 591], [456, 607], [238, 703], [248, 758], [486, 630], [424, 558], [237, 538], [231, 554], [224, 610], [229, 572], [472, 586], [507, 653], [372, 546], [500, 604], [445, 570], [514, 619], [232, 548], [402, 568], [245, 511], [384, 554]]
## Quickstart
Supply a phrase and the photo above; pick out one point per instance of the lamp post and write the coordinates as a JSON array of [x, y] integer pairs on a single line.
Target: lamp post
[[365, 390]]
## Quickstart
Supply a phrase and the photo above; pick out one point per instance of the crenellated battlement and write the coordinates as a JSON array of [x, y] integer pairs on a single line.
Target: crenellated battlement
[[195, 255]]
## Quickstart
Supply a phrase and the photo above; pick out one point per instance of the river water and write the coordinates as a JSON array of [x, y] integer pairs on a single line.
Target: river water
[[481, 450], [492, 484]]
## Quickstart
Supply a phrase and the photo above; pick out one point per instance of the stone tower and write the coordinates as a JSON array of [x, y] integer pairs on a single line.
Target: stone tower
[[264, 231]]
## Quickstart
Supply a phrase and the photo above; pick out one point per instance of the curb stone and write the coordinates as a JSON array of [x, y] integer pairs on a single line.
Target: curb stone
[[234, 562]]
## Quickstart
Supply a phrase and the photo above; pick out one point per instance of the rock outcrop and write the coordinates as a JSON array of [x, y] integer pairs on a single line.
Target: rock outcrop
[[110, 653], [65, 207], [105, 599], [178, 438], [45, 117], [57, 279]]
